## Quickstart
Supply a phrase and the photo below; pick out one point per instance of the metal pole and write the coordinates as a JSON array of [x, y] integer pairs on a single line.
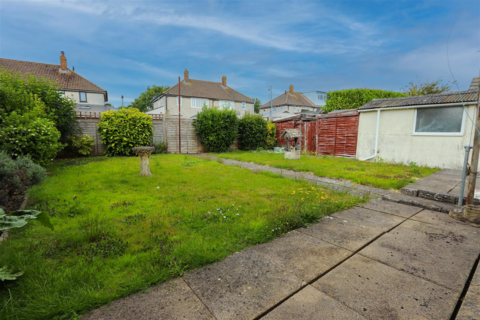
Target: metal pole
[[179, 125], [464, 172], [271, 100]]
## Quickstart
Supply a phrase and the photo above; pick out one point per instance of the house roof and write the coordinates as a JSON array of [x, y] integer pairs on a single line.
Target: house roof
[[441, 98], [475, 84], [290, 99], [205, 89], [69, 80], [274, 113]]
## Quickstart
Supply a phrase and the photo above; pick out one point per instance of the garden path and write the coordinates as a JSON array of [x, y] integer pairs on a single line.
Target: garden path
[[380, 260]]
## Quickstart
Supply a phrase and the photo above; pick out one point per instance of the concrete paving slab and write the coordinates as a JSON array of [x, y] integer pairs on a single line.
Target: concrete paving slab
[[243, 286], [397, 209], [346, 234], [304, 255], [309, 303], [378, 291], [419, 202], [169, 300], [370, 218], [470, 309], [443, 220], [443, 256]]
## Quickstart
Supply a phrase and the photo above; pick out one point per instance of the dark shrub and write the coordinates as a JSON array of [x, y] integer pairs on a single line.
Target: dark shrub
[[252, 132], [16, 176], [160, 147], [216, 128]]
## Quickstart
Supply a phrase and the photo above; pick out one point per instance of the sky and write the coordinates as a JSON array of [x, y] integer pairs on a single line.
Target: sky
[[125, 46]]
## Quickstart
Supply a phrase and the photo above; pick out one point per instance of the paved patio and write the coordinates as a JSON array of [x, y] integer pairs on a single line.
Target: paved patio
[[383, 260]]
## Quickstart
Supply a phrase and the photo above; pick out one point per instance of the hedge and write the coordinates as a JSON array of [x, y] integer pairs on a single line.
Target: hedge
[[252, 132], [216, 128], [355, 98]]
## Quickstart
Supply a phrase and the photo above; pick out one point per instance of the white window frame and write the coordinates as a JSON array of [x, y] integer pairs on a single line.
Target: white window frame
[[80, 96], [181, 101], [451, 134], [244, 106], [222, 103], [193, 101]]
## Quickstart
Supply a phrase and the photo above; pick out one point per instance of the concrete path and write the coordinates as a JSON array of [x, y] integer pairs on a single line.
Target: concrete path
[[381, 260], [335, 184]]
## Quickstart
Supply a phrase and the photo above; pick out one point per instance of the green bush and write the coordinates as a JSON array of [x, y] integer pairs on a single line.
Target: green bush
[[30, 134], [16, 176], [252, 132], [125, 129], [272, 136], [16, 88], [216, 128], [160, 148], [355, 98], [82, 144]]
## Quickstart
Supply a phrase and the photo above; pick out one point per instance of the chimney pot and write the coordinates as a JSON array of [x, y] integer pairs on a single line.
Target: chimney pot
[[224, 81], [291, 89], [63, 62], [185, 77]]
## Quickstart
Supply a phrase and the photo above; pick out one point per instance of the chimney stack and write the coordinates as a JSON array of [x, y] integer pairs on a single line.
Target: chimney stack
[[224, 81], [63, 62], [291, 89], [185, 76]]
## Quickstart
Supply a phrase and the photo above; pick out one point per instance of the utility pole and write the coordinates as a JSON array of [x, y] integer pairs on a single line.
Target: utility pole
[[472, 179], [179, 125], [271, 100], [122, 100]]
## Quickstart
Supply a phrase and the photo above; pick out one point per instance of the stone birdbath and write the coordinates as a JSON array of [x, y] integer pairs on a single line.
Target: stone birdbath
[[144, 153]]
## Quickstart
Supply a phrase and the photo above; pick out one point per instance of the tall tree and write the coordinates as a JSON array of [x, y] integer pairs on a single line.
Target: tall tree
[[428, 87], [143, 103], [257, 104]]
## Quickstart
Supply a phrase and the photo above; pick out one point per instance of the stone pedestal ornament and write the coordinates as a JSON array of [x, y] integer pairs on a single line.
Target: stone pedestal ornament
[[144, 153]]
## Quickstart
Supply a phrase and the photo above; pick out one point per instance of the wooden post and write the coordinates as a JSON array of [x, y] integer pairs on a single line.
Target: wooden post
[[472, 179]]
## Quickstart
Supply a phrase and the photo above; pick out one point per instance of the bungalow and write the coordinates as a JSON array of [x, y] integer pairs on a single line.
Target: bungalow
[[291, 101], [87, 95], [194, 94], [428, 130]]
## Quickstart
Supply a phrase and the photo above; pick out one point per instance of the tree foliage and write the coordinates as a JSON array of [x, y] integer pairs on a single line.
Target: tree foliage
[[58, 108], [216, 128], [272, 136], [355, 98], [252, 132], [257, 104], [83, 144], [143, 103], [428, 87], [125, 129]]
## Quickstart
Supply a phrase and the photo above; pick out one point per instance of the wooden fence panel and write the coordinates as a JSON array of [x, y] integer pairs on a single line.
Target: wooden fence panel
[[337, 134]]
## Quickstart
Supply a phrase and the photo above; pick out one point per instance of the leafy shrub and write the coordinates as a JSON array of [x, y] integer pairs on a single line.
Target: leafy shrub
[[160, 148], [15, 89], [252, 132], [216, 128], [259, 149], [82, 144], [30, 134], [16, 176], [271, 136], [355, 98], [125, 129]]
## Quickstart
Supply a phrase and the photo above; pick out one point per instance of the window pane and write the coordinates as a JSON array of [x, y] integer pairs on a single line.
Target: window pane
[[439, 119], [83, 96]]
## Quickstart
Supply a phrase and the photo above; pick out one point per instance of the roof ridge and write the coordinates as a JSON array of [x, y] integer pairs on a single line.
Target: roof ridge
[[428, 95], [49, 64]]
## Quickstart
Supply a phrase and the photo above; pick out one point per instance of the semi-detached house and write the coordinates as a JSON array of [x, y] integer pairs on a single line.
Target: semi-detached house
[[87, 95], [194, 94]]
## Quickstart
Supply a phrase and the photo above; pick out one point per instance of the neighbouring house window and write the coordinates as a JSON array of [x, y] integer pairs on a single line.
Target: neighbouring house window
[[83, 96], [244, 106], [226, 104], [199, 102], [181, 101], [439, 120], [274, 108]]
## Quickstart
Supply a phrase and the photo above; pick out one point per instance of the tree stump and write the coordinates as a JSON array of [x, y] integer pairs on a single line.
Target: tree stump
[[144, 153]]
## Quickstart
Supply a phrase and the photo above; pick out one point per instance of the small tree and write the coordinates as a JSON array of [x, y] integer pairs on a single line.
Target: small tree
[[216, 128], [58, 108], [252, 132], [256, 106], [272, 136], [143, 103], [125, 129], [429, 87]]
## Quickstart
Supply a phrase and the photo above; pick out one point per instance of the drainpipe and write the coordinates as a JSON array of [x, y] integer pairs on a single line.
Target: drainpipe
[[376, 138]]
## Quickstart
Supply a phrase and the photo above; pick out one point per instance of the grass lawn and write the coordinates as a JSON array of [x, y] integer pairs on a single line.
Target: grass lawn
[[377, 174], [117, 233]]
